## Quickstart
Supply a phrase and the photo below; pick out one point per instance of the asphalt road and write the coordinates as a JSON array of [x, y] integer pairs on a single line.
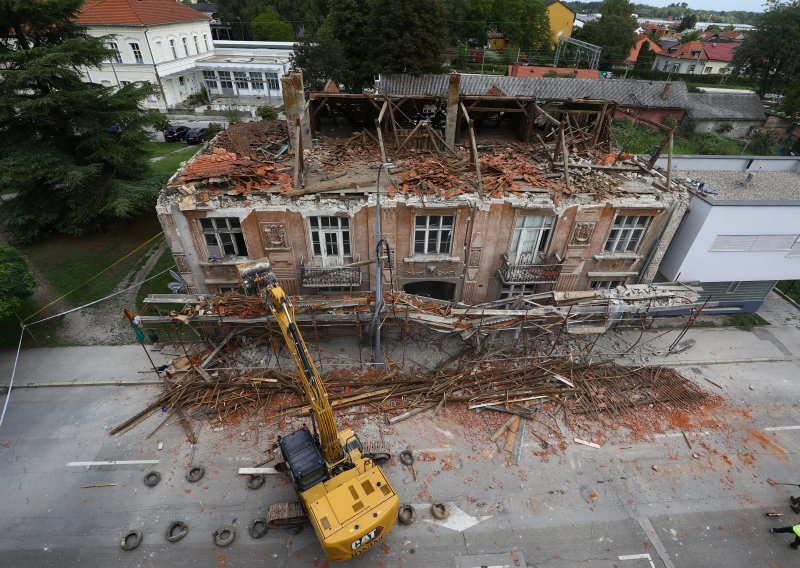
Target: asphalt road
[[581, 507]]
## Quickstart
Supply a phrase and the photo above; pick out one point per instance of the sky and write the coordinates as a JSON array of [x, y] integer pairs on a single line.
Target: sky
[[729, 5]]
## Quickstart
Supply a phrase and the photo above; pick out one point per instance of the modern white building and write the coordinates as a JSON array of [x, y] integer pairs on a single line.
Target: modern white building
[[741, 231], [170, 45]]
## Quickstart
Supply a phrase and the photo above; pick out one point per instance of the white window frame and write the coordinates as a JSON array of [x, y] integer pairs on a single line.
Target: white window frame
[[436, 238], [205, 41], [173, 48], [185, 42], [626, 236], [225, 80], [257, 80], [137, 52], [512, 290], [273, 84], [115, 57], [210, 79], [530, 238], [240, 79], [330, 239], [223, 236], [196, 44]]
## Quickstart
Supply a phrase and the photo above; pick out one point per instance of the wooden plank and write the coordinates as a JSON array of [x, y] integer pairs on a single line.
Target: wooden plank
[[410, 413], [585, 443], [258, 471]]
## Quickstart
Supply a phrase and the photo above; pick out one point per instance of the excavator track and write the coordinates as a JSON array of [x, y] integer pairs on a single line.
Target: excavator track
[[286, 515], [377, 450]]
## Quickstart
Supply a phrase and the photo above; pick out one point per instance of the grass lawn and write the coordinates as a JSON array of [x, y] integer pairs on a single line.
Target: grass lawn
[[157, 285], [170, 163], [638, 138]]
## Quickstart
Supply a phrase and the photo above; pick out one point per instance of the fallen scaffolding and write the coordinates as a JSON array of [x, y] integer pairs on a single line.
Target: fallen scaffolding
[[520, 389]]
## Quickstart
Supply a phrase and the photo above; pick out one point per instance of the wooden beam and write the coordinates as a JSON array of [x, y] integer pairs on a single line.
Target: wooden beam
[[299, 178], [565, 157], [495, 109], [410, 134], [473, 146], [546, 116]]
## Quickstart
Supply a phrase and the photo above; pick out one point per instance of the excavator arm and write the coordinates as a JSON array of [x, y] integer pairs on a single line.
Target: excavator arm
[[258, 277]]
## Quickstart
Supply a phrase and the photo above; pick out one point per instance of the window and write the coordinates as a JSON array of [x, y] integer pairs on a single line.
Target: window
[[225, 80], [521, 289], [530, 238], [223, 236], [753, 243], [240, 78], [125, 83], [137, 53], [210, 79], [272, 81], [330, 238], [115, 56], [626, 233], [707, 70], [196, 44], [182, 81], [173, 48], [205, 41], [185, 46], [732, 287], [433, 234], [257, 80], [692, 67], [605, 284]]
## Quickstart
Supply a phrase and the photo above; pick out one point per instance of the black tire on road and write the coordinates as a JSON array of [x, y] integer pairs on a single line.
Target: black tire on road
[[224, 536], [440, 511], [151, 479], [258, 527], [406, 457], [406, 515], [256, 481], [131, 540], [177, 531], [195, 474]]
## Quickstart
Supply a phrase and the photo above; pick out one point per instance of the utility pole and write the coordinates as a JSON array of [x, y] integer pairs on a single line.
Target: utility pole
[[376, 319]]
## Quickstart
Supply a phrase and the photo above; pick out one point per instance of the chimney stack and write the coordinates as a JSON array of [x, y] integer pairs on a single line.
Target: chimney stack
[[665, 92]]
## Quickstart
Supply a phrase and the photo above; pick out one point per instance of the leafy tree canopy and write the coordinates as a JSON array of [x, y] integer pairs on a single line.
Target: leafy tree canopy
[[687, 23], [71, 150], [16, 283], [268, 26], [769, 55], [614, 32]]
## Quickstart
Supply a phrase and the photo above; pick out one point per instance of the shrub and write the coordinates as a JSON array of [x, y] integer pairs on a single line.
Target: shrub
[[233, 116], [267, 112], [214, 128]]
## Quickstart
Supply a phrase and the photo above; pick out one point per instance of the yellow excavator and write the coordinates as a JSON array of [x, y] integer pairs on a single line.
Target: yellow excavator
[[343, 492]]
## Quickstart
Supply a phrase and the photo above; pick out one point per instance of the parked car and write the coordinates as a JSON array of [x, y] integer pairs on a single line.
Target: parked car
[[196, 135], [175, 133]]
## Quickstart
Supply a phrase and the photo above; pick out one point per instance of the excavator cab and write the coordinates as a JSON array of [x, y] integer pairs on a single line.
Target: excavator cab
[[303, 459]]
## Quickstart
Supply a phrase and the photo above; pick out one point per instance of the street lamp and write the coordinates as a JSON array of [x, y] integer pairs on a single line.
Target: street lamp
[[376, 321]]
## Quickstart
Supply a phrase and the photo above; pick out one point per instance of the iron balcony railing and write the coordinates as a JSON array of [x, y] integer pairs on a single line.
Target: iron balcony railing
[[511, 273], [324, 277]]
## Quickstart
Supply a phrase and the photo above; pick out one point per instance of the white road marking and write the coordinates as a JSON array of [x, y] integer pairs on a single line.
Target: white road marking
[[457, 521], [120, 462], [780, 428], [638, 557]]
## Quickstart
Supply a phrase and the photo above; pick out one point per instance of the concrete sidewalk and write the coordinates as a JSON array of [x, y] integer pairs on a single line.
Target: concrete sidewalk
[[90, 364]]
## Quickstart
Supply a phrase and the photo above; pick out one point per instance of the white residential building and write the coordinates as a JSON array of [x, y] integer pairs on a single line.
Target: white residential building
[[170, 45], [741, 231]]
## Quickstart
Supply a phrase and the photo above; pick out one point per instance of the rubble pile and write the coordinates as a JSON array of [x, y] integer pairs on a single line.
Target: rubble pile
[[334, 155], [503, 168], [254, 139], [432, 175]]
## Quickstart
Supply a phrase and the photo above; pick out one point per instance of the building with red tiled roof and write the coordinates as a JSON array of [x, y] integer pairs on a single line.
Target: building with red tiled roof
[[641, 39], [137, 13], [697, 58], [517, 70], [170, 45]]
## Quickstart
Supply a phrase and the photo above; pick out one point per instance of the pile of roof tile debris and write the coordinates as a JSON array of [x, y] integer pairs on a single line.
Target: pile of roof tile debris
[[334, 155]]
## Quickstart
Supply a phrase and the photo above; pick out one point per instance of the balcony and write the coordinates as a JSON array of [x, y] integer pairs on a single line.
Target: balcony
[[511, 273], [331, 276]]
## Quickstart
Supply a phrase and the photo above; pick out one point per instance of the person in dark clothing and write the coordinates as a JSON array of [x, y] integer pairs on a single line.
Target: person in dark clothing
[[790, 529]]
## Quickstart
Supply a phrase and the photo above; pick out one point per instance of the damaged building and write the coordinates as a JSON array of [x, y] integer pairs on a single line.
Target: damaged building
[[482, 196]]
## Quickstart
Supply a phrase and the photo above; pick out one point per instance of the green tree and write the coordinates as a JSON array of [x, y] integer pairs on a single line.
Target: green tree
[[525, 22], [714, 28], [321, 57], [268, 26], [791, 96], [646, 57], [686, 37], [613, 32], [16, 283], [71, 150], [267, 112], [769, 55], [687, 23], [408, 37]]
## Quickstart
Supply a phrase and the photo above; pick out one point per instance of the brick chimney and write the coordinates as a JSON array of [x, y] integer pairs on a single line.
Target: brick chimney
[[665, 91]]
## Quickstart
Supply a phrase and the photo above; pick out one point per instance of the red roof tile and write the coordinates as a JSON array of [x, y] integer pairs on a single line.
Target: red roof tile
[[516, 70], [136, 12], [720, 51], [633, 56]]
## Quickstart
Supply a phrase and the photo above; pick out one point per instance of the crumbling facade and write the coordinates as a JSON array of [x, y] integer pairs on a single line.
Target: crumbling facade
[[481, 197]]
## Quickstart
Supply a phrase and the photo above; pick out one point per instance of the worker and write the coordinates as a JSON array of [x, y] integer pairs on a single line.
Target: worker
[[790, 529]]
